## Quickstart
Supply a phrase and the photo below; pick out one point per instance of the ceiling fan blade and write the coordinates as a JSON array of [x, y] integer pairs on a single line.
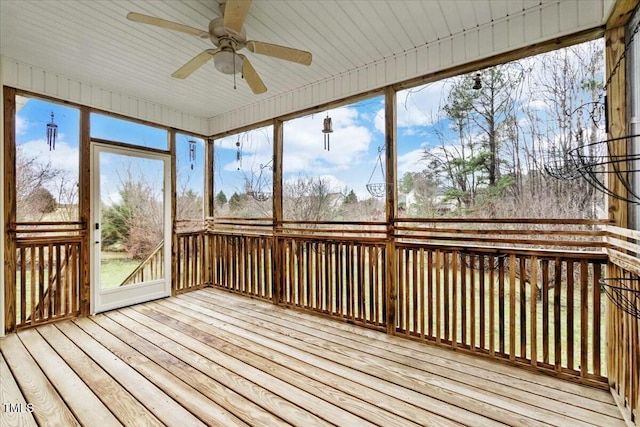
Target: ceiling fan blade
[[251, 76], [282, 52], [158, 22], [198, 61], [235, 12]]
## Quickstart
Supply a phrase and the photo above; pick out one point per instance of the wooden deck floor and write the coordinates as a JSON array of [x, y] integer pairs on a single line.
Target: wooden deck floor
[[210, 357]]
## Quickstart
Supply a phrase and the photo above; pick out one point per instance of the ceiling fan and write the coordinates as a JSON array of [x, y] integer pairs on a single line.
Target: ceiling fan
[[228, 36]]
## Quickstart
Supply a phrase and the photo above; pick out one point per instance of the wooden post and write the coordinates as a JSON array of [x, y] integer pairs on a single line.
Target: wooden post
[[9, 106], [277, 258], [617, 209], [391, 208], [617, 113], [209, 189], [174, 237], [85, 210], [619, 364], [209, 197]]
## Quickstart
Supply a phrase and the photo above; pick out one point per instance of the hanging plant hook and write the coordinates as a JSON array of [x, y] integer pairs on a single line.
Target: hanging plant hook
[[378, 189]]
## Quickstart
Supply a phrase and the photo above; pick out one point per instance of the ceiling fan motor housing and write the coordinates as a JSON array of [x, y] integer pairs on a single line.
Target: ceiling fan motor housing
[[218, 32]]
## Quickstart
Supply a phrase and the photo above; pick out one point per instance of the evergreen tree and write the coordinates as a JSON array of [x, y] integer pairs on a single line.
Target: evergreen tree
[[221, 199], [350, 198], [235, 202]]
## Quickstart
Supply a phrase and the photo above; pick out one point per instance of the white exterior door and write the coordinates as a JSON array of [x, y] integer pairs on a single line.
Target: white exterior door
[[131, 229]]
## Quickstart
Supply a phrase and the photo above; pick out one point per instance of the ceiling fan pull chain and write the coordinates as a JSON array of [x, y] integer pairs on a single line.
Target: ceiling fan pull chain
[[234, 70]]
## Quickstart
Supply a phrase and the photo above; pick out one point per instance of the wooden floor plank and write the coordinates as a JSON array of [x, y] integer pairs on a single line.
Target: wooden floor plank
[[161, 405], [183, 394], [218, 358], [86, 407], [516, 377], [287, 372], [479, 392], [580, 409], [119, 401], [48, 407], [312, 403], [138, 336], [14, 411], [439, 404], [381, 339]]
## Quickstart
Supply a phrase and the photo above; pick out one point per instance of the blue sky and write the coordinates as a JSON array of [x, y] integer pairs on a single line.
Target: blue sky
[[34, 114]]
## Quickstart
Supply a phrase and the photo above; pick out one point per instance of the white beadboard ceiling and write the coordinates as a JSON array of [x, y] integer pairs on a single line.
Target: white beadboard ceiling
[[92, 44]]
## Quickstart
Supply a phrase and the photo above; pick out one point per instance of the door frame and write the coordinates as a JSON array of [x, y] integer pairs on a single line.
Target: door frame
[[109, 299]]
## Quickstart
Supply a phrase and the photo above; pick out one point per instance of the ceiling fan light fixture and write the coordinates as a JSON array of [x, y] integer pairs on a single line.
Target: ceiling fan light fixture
[[228, 62]]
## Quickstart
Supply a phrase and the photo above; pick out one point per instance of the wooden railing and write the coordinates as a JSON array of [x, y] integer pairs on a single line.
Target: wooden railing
[[336, 269], [151, 268], [47, 273], [540, 309], [623, 320], [341, 278], [243, 255], [522, 291], [192, 253]]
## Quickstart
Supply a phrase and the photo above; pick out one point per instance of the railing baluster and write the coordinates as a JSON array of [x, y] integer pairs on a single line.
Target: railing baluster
[[472, 308], [446, 295], [534, 310], [512, 307], [556, 315], [523, 307], [438, 322], [545, 311], [454, 299], [501, 306], [464, 295], [492, 297], [421, 288], [482, 299], [596, 315], [584, 317], [34, 261]]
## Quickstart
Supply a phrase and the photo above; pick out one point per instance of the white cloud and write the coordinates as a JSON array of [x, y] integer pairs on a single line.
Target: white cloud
[[304, 142], [64, 157], [21, 125], [411, 162]]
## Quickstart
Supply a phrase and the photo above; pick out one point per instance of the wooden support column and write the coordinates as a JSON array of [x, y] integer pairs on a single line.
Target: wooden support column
[[617, 113], [9, 107], [617, 363], [277, 258], [209, 198], [174, 236], [391, 209], [84, 206], [209, 189]]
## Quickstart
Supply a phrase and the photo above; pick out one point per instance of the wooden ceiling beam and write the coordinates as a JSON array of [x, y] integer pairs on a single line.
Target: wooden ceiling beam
[[622, 12]]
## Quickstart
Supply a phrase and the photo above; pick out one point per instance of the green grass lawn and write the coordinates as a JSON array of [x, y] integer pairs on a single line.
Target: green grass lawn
[[115, 267]]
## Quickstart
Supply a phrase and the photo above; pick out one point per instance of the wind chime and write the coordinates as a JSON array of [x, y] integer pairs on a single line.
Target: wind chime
[[192, 152], [238, 155], [52, 134], [326, 130], [477, 81]]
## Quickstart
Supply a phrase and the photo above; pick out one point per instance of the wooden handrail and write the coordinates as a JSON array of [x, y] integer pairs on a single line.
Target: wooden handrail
[[143, 264]]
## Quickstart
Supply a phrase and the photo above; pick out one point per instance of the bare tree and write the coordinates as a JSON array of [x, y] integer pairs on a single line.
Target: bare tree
[[32, 176], [312, 199]]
